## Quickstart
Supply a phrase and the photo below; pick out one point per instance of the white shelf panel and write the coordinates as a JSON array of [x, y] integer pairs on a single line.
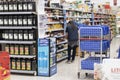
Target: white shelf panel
[[55, 16], [78, 17], [53, 8], [59, 36], [18, 42], [22, 56], [61, 50], [23, 71], [53, 65], [17, 27], [61, 58], [55, 23], [62, 42], [3, 13]]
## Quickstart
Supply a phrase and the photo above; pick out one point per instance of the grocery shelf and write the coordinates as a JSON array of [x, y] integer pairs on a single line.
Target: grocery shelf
[[54, 30], [61, 50], [53, 65], [17, 27], [78, 17], [23, 71], [11, 13], [61, 58], [63, 42], [52, 54], [55, 16], [55, 23], [59, 36], [17, 42], [53, 8], [22, 56]]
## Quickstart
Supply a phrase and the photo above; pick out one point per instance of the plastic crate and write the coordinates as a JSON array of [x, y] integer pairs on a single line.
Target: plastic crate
[[88, 64], [94, 46], [94, 31]]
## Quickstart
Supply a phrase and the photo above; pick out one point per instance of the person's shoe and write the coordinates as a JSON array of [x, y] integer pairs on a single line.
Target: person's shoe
[[68, 62], [72, 61]]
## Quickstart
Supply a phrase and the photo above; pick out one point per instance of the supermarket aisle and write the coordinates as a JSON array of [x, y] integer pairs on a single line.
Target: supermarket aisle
[[68, 71]]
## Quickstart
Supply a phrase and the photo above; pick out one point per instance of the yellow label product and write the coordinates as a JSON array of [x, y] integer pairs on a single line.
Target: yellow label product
[[23, 64], [21, 50], [16, 49], [7, 48], [18, 64], [28, 65], [26, 50], [13, 64], [11, 49]]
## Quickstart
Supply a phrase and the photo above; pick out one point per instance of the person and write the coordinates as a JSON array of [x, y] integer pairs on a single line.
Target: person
[[72, 37]]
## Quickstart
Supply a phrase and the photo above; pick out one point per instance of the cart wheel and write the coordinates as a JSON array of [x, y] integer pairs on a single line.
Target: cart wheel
[[78, 75], [86, 74]]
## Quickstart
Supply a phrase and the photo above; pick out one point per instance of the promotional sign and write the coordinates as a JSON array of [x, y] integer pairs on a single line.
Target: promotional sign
[[47, 57], [43, 57], [111, 69]]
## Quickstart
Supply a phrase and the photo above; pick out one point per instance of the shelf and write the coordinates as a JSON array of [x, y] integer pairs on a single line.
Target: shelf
[[59, 36], [78, 17], [53, 8], [17, 27], [23, 71], [22, 56], [54, 30], [53, 65], [61, 50], [63, 42], [55, 16], [61, 58], [17, 42], [11, 13], [55, 23], [52, 54]]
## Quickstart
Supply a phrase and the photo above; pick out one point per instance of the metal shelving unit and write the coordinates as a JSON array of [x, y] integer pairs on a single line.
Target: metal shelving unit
[[62, 58], [17, 23], [16, 13], [22, 56], [17, 42], [61, 50], [23, 71], [17, 27]]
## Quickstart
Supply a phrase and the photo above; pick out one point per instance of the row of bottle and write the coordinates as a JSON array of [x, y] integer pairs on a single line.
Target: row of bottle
[[23, 64], [17, 6], [24, 20], [15, 49], [18, 35]]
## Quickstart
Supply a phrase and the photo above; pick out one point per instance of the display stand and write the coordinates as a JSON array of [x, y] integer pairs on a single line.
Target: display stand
[[47, 57]]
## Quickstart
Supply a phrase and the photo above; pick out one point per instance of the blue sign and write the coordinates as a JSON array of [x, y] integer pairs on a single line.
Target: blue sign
[[43, 57]]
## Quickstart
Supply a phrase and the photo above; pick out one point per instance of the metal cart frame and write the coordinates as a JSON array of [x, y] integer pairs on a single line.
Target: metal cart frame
[[101, 38]]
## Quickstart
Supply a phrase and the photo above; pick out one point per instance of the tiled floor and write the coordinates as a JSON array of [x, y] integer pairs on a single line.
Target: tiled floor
[[67, 71]]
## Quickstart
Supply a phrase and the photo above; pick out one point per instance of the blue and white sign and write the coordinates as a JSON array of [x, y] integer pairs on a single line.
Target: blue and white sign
[[43, 57]]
